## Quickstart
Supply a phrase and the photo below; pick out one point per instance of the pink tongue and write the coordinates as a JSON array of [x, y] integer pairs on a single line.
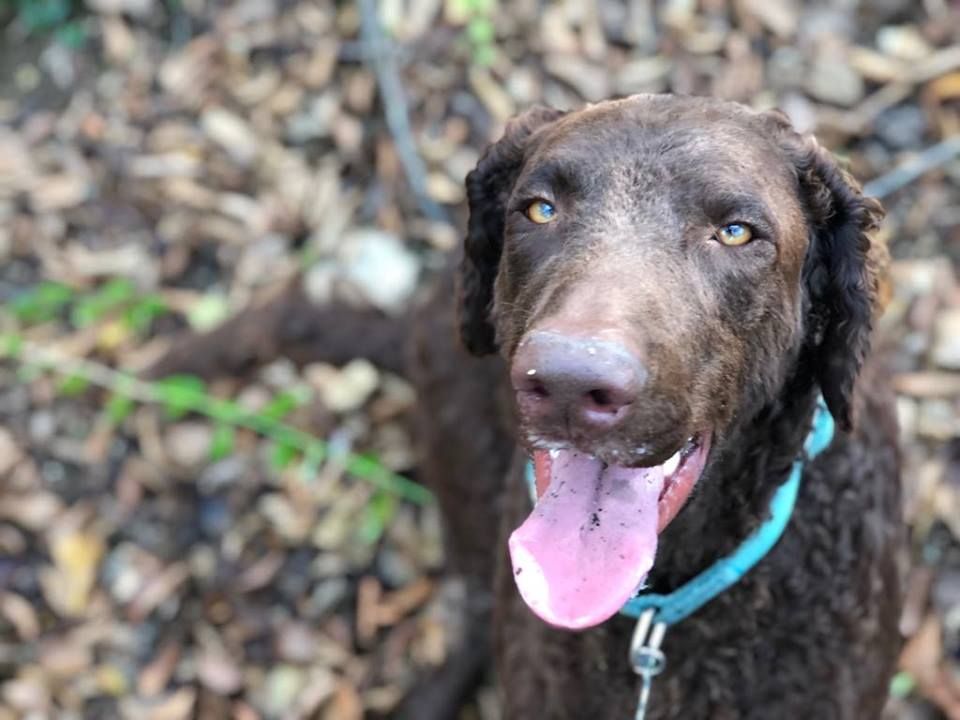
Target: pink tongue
[[589, 542]]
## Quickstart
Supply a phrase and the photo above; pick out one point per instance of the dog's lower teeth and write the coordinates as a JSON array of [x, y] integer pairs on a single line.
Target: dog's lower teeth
[[671, 465]]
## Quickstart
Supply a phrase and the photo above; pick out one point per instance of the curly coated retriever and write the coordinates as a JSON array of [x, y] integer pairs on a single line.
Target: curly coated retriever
[[665, 286]]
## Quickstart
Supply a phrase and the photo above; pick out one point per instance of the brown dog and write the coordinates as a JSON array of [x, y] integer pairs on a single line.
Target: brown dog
[[670, 283]]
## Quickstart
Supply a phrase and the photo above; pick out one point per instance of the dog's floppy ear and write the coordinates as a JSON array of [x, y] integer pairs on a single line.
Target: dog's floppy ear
[[488, 187], [842, 272]]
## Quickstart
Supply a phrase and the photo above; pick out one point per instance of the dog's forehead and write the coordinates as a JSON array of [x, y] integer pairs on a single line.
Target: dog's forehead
[[697, 147], [665, 133]]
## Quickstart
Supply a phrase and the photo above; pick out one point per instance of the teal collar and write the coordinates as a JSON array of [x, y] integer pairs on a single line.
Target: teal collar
[[655, 613], [690, 597]]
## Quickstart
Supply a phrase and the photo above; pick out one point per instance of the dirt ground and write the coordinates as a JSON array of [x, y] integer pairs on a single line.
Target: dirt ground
[[245, 543]]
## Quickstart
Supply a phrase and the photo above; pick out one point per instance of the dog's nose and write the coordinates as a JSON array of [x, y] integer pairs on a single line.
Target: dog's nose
[[563, 380]]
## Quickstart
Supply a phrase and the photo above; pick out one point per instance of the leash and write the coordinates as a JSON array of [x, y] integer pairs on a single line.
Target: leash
[[655, 613]]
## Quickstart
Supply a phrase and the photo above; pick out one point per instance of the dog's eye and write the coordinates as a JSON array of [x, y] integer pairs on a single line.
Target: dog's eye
[[734, 234], [541, 212]]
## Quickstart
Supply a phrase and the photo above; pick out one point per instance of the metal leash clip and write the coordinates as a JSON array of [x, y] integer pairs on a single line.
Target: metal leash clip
[[646, 657]]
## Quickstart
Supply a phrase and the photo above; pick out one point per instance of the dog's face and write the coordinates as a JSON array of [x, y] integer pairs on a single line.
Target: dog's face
[[651, 268]]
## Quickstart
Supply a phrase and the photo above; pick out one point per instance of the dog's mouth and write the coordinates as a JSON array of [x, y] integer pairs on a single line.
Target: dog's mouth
[[592, 536]]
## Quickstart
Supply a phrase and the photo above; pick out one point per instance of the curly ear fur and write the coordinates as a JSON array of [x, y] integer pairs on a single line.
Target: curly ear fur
[[488, 187], [842, 273]]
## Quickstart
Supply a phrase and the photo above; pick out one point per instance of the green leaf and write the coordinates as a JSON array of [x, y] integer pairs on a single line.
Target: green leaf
[[73, 385], [281, 405], [373, 471], [41, 303], [107, 298], [376, 517], [73, 35], [11, 345], [208, 312], [118, 408], [483, 7], [282, 455], [222, 444], [902, 684], [117, 290], [144, 311], [86, 313], [484, 55], [43, 14], [461, 8], [181, 394], [480, 30], [313, 458], [226, 411]]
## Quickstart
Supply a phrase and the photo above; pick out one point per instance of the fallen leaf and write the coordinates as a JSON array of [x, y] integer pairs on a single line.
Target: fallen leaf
[[111, 680], [157, 589], [10, 453], [66, 657], [231, 133], [20, 613], [33, 511], [59, 192], [27, 692], [345, 704], [76, 556], [921, 659], [155, 677], [177, 705], [219, 672]]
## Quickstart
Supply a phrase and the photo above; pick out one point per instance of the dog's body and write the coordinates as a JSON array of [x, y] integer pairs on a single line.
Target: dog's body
[[812, 630]]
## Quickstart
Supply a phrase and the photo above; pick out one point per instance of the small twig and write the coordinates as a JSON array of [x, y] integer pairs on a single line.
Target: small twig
[[933, 157], [313, 449], [380, 55]]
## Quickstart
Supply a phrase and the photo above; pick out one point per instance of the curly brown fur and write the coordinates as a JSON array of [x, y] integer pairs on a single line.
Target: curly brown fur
[[810, 632], [290, 325]]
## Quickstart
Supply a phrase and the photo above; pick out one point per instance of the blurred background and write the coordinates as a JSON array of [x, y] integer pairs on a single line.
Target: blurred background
[[223, 527]]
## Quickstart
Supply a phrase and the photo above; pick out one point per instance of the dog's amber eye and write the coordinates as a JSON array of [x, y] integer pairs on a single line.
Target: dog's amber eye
[[541, 212], [734, 234]]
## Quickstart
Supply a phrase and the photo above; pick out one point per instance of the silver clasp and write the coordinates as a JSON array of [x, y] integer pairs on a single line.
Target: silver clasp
[[646, 657]]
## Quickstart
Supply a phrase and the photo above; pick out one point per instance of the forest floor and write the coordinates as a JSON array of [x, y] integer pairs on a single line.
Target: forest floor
[[216, 546]]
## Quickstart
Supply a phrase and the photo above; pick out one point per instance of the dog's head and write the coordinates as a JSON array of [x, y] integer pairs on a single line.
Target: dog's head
[[652, 269]]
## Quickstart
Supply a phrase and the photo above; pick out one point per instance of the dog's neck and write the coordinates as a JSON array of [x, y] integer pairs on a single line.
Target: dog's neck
[[732, 499]]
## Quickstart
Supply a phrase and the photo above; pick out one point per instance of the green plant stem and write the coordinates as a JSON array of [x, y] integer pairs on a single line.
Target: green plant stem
[[225, 411]]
